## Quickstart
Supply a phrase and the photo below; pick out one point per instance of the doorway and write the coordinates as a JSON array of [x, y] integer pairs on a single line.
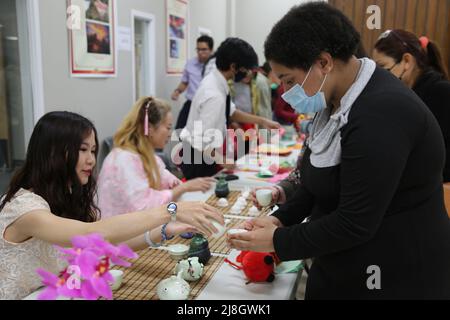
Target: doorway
[[143, 52]]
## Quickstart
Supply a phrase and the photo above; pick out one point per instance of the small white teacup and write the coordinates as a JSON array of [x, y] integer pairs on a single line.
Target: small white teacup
[[220, 229], [236, 231], [264, 197], [118, 277]]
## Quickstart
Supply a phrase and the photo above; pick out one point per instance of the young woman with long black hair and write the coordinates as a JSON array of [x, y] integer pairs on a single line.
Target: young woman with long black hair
[[52, 199]]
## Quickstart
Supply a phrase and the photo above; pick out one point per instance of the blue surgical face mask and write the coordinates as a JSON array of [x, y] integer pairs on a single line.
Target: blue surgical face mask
[[297, 98]]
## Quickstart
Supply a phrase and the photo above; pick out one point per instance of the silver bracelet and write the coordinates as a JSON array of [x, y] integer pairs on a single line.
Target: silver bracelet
[[149, 241]]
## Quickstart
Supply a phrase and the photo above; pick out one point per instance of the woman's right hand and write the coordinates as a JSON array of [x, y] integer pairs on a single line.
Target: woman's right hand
[[275, 196], [253, 224], [199, 184], [199, 215]]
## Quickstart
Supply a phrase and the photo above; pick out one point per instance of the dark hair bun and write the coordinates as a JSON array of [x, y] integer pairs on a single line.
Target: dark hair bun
[[306, 31]]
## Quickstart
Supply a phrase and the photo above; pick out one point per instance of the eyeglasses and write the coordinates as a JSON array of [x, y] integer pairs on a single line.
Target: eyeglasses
[[390, 69]]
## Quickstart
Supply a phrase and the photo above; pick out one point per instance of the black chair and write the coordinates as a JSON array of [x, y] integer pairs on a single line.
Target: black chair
[[106, 148], [169, 164]]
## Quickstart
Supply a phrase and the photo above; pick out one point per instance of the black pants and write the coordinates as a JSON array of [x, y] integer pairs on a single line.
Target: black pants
[[191, 170], [183, 116]]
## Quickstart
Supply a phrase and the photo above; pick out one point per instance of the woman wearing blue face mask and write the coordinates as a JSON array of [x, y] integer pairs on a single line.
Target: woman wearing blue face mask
[[371, 176], [418, 63]]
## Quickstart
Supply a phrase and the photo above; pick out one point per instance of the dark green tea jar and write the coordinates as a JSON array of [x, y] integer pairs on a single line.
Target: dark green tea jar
[[222, 190], [199, 247]]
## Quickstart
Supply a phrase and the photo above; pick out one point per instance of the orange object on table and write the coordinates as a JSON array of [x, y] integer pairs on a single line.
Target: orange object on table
[[274, 150]]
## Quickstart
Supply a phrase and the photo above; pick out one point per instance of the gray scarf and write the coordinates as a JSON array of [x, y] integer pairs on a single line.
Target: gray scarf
[[325, 137]]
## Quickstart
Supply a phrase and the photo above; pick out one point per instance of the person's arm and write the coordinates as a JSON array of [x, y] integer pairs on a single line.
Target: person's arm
[[168, 180], [372, 165], [184, 83], [244, 117], [50, 228], [173, 229], [297, 208], [288, 186], [179, 90], [284, 111], [43, 225], [134, 185]]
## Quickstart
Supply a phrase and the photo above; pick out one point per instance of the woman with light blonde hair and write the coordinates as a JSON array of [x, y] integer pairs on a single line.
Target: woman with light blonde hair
[[133, 177]]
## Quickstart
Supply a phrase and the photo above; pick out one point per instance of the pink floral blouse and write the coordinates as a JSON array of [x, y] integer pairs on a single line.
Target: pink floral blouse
[[123, 185]]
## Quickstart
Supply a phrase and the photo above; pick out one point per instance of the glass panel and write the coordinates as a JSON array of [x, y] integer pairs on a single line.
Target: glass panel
[[142, 56], [15, 86]]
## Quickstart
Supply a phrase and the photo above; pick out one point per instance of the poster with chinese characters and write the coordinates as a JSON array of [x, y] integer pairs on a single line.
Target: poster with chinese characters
[[91, 25]]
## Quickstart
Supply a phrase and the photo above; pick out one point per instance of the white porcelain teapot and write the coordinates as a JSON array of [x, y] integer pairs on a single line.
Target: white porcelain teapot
[[173, 288], [191, 269]]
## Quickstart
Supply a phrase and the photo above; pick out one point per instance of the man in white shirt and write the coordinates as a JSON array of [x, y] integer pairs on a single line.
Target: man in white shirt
[[212, 110], [192, 76]]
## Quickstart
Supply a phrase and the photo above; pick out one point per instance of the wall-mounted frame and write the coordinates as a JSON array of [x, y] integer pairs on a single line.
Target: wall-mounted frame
[[177, 35], [92, 31]]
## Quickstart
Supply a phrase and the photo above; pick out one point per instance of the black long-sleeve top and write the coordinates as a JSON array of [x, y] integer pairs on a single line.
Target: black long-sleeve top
[[434, 90], [382, 206]]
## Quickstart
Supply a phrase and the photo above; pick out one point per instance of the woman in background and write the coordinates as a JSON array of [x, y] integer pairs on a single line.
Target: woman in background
[[133, 177], [418, 63]]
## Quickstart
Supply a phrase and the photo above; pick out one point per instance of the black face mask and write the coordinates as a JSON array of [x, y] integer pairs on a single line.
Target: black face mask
[[240, 75]]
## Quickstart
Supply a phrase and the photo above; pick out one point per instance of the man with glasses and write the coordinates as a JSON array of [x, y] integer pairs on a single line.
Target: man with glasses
[[192, 76], [212, 110]]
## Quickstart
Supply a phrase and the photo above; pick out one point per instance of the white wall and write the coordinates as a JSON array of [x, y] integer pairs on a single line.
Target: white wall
[[106, 101], [255, 18], [209, 14]]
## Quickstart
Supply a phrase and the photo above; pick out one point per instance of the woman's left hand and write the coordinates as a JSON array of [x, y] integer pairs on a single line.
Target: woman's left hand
[[177, 228], [260, 239], [175, 183]]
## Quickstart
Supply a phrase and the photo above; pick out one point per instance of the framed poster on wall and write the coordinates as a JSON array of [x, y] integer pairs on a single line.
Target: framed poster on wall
[[92, 46], [177, 35]]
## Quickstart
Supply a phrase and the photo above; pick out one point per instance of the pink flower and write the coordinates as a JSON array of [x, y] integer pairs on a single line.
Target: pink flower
[[90, 257], [57, 286]]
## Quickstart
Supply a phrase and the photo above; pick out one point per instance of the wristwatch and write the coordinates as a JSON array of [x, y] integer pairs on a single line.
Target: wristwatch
[[172, 209]]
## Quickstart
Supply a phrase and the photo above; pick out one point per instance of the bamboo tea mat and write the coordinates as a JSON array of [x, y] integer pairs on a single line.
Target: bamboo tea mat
[[153, 266], [232, 198], [141, 279]]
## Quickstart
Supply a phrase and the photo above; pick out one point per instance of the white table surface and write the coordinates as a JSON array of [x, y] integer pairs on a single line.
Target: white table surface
[[230, 284]]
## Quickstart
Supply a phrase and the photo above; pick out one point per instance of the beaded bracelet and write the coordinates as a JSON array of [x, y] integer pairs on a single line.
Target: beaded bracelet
[[164, 237]]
